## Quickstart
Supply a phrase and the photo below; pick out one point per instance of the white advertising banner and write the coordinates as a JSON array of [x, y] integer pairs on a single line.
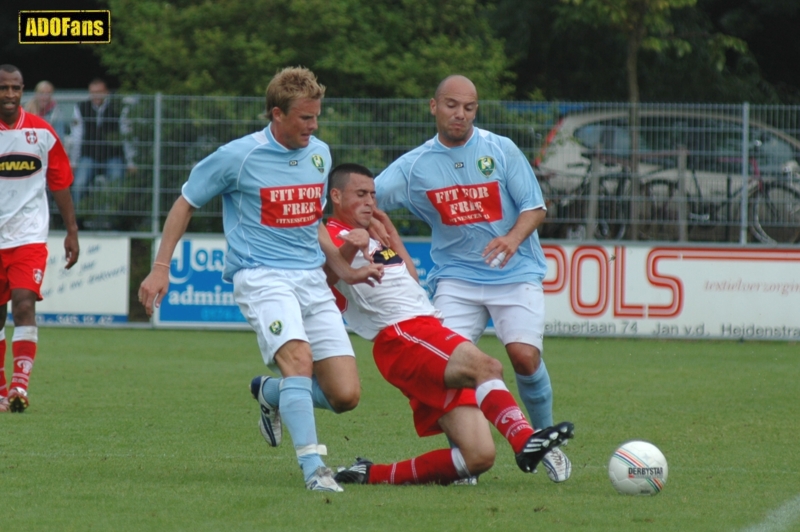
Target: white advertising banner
[[94, 291], [590, 290], [672, 292]]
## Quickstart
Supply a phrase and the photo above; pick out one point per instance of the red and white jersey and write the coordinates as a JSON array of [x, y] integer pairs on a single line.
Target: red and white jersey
[[31, 158], [370, 309]]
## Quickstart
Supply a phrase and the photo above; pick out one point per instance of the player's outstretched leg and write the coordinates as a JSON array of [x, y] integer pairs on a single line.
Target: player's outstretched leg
[[270, 421], [434, 467], [542, 442]]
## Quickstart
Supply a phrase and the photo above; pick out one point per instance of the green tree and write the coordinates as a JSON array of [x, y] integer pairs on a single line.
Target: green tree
[[359, 48], [645, 24]]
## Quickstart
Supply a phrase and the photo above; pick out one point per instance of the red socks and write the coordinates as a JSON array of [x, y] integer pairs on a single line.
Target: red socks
[[23, 345], [3, 388], [435, 467], [500, 408]]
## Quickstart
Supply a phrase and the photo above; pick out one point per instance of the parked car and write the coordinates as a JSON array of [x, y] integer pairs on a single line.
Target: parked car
[[599, 144]]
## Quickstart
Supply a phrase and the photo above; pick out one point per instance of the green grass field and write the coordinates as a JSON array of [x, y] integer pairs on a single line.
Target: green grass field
[[155, 430]]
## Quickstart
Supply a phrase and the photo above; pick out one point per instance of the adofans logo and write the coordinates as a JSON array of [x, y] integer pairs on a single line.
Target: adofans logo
[[18, 165], [64, 27]]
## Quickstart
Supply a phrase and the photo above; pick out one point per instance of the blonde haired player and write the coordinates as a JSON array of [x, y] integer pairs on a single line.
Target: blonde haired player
[[273, 186]]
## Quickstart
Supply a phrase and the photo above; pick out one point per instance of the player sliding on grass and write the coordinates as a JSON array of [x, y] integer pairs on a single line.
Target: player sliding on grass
[[451, 385]]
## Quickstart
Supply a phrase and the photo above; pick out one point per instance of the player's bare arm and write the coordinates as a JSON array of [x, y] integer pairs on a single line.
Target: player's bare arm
[[63, 201], [341, 268], [508, 244], [156, 284], [394, 241], [355, 240]]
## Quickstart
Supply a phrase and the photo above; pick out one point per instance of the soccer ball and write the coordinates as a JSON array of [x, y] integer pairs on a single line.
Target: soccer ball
[[638, 468]]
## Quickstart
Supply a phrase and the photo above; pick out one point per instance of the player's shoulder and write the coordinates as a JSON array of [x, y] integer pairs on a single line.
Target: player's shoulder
[[31, 121], [492, 138], [407, 160], [317, 144]]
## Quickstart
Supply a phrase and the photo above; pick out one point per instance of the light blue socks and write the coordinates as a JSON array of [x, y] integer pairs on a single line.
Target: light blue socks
[[537, 396], [297, 414]]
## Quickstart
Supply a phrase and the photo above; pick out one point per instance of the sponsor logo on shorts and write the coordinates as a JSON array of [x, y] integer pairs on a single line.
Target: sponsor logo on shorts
[[65, 27], [37, 276], [486, 165], [319, 162], [17, 165], [276, 327]]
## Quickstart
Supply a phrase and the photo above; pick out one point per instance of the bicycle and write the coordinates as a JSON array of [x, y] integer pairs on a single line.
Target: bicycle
[[773, 207]]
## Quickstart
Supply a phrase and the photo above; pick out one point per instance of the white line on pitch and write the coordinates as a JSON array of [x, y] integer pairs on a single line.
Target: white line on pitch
[[779, 520]]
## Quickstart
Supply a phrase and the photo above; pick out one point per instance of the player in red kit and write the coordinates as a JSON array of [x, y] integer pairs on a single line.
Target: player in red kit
[[452, 386], [32, 159]]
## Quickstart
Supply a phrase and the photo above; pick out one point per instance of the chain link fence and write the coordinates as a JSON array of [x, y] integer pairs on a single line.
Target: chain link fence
[[707, 173]]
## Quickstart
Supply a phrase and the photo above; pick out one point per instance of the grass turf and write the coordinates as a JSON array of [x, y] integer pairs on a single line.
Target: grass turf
[[155, 430]]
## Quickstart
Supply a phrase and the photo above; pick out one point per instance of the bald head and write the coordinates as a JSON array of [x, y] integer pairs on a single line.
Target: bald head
[[454, 105], [457, 83]]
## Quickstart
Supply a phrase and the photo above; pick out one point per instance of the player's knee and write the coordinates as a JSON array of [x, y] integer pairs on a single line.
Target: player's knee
[[345, 401], [494, 368], [23, 311], [525, 359], [479, 459]]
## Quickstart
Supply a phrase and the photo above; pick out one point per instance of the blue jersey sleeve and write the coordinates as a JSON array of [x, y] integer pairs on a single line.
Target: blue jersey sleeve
[[391, 187], [521, 183], [212, 176]]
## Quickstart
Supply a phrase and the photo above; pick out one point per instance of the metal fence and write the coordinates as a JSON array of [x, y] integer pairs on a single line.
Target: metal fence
[[713, 173]]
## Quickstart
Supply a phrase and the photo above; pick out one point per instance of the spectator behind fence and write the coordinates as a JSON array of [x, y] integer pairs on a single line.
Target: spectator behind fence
[[44, 106], [98, 144]]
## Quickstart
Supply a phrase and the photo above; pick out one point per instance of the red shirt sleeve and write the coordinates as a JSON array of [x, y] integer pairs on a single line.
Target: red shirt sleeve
[[334, 228], [59, 171]]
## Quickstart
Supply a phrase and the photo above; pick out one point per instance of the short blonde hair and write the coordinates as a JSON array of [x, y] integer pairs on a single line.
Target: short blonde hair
[[292, 84]]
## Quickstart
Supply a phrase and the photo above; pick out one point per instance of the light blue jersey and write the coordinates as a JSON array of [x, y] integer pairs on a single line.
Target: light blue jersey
[[468, 195], [272, 200]]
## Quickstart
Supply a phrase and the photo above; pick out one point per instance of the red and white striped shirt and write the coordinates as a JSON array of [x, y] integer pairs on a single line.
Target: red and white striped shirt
[[31, 158]]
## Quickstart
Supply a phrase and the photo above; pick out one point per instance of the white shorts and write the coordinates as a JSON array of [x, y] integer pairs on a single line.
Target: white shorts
[[517, 310], [283, 305]]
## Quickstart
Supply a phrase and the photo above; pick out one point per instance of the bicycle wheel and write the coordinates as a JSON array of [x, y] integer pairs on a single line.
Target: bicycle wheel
[[775, 213], [659, 218]]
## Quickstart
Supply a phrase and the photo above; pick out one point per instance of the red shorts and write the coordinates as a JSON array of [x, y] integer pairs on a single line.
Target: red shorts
[[22, 267], [412, 356]]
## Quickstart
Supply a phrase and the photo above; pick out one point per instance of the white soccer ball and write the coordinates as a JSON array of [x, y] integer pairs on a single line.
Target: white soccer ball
[[638, 468]]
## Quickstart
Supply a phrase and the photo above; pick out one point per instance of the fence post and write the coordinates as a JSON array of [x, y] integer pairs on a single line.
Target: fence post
[[154, 216], [594, 193], [745, 170], [683, 229]]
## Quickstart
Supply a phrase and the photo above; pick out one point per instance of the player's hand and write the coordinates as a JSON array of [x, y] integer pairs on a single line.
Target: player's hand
[[378, 229], [499, 251], [153, 288], [359, 239], [71, 250], [369, 274]]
